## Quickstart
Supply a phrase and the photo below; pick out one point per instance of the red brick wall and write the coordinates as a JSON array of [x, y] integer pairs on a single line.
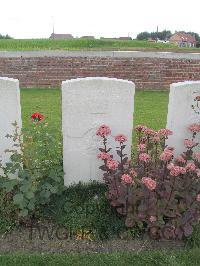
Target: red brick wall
[[147, 73]]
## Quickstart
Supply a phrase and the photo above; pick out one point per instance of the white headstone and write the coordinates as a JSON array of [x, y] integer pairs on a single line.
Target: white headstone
[[88, 103], [10, 111], [183, 110]]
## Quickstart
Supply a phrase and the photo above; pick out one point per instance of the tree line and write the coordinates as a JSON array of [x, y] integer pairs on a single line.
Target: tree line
[[5, 36], [162, 35]]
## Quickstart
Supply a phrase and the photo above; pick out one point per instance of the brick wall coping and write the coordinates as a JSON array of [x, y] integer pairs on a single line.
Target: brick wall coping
[[113, 54]]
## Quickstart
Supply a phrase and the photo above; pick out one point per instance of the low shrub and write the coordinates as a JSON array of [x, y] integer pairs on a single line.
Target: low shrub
[[36, 160], [159, 194]]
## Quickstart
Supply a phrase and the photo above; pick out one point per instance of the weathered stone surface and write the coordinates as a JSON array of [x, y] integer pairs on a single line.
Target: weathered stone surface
[[10, 111], [183, 110], [86, 104]]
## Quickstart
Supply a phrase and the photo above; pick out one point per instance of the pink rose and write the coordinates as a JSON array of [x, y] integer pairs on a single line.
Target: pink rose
[[103, 131], [140, 128], [144, 157], [121, 138], [112, 164], [127, 179], [149, 131], [149, 183]]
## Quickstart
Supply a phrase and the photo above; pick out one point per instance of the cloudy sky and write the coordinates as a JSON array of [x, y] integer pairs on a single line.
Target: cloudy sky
[[108, 18]]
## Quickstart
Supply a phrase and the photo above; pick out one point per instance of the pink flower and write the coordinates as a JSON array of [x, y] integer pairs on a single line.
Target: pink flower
[[170, 166], [149, 183], [166, 155], [121, 138], [198, 172], [177, 170], [127, 179], [164, 132], [149, 131], [133, 172], [152, 219], [156, 138], [180, 159], [144, 157], [141, 147], [112, 164], [198, 197], [189, 143], [190, 167], [196, 156], [104, 156], [103, 131], [194, 128], [140, 128]]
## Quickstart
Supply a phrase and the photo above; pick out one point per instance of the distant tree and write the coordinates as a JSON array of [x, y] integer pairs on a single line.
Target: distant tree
[[161, 35], [5, 36], [143, 35]]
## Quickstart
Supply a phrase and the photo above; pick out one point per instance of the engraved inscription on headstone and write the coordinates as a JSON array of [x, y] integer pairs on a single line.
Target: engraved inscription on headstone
[[87, 104], [183, 110]]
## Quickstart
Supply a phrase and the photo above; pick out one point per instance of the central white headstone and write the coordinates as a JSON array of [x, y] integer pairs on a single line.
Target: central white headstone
[[183, 110], [10, 111], [87, 104]]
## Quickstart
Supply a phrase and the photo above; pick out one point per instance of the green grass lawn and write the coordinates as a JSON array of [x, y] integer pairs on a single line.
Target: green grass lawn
[[150, 107], [150, 258], [83, 44]]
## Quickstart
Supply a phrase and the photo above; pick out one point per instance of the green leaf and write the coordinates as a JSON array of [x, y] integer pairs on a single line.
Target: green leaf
[[23, 212], [18, 198]]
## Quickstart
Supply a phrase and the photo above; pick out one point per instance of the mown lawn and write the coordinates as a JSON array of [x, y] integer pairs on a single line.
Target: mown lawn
[[150, 258], [150, 107], [82, 44]]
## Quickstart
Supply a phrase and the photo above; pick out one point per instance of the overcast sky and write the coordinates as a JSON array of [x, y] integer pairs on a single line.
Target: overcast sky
[[108, 18]]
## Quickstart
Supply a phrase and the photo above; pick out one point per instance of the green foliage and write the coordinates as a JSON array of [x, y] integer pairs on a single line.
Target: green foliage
[[194, 240], [36, 158], [84, 207], [161, 35], [5, 36], [80, 44]]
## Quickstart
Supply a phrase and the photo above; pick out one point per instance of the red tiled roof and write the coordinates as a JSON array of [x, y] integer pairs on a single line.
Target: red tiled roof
[[185, 37]]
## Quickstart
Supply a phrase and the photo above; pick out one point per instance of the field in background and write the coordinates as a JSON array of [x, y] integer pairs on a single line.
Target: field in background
[[84, 44], [150, 107]]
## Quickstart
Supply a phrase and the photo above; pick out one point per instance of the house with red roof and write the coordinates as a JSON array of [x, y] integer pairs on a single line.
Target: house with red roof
[[183, 40]]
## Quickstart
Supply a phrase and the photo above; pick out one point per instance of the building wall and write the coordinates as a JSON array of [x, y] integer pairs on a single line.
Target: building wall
[[145, 72]]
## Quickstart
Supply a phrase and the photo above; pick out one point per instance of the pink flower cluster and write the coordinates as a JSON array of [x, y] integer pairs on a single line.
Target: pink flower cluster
[[190, 167], [164, 132], [196, 156], [149, 183], [112, 164], [141, 147], [133, 172], [144, 157], [140, 128], [104, 156], [198, 197], [180, 159], [176, 170], [103, 131], [121, 138], [189, 143], [127, 179], [152, 219], [166, 155], [194, 128], [198, 172]]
